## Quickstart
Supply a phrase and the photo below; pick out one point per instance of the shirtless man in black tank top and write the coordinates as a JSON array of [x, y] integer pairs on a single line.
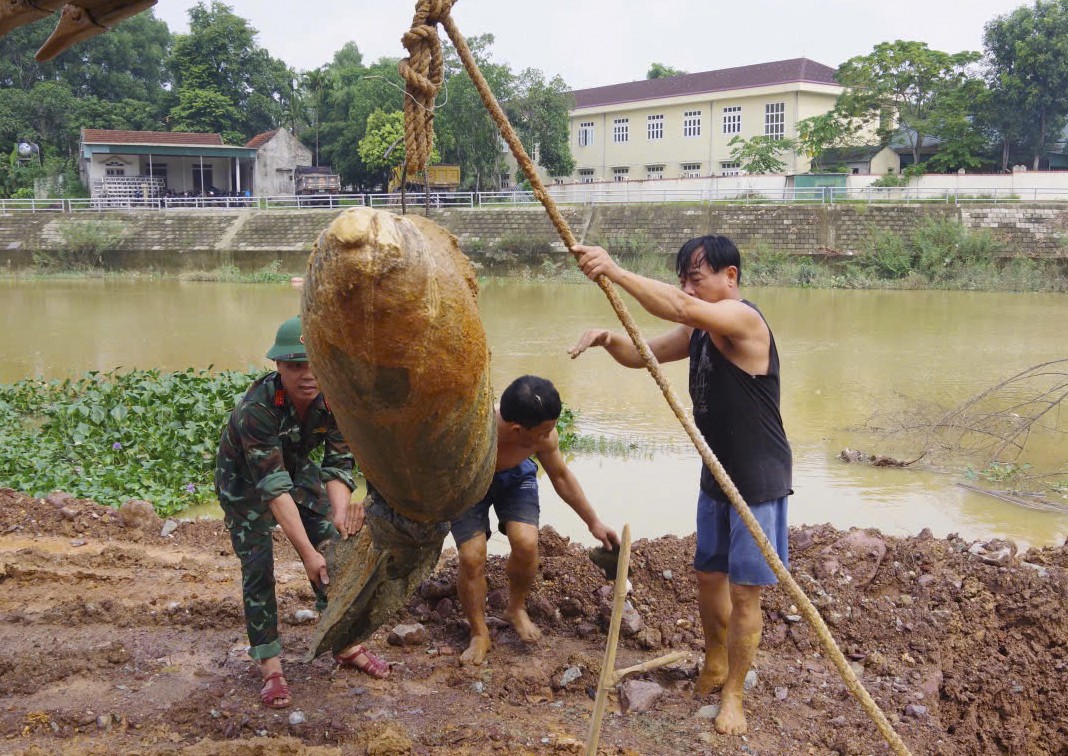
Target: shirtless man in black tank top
[[734, 384]]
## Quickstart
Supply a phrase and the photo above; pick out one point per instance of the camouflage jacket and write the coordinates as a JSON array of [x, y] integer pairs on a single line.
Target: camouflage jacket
[[265, 451]]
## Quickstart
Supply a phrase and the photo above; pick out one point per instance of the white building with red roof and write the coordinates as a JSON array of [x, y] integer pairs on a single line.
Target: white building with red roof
[[680, 126], [142, 165]]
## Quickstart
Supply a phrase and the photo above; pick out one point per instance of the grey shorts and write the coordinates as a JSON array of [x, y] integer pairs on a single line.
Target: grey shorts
[[513, 494]]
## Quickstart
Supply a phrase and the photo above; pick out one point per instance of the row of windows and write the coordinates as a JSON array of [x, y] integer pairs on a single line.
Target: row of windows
[[774, 124], [656, 171]]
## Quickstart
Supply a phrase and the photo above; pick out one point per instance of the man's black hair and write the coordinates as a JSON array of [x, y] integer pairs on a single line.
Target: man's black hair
[[530, 401], [719, 251]]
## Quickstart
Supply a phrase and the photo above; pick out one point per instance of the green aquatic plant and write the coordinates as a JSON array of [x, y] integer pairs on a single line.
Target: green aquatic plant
[[115, 436], [143, 434]]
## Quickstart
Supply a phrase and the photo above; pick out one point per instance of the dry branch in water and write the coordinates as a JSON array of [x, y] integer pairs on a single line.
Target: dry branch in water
[[993, 427], [997, 422]]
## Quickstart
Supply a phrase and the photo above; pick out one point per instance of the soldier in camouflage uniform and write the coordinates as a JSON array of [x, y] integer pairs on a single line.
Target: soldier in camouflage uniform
[[264, 475]]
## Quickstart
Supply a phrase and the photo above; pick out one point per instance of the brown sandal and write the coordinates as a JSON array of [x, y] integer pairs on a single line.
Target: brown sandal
[[370, 664], [274, 688]]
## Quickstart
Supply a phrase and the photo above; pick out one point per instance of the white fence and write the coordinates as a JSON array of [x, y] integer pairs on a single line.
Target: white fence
[[746, 190]]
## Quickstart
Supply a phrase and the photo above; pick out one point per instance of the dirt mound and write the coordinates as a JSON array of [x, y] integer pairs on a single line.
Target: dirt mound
[[121, 639]]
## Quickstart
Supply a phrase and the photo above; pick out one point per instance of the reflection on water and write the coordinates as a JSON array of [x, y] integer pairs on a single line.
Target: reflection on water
[[846, 355]]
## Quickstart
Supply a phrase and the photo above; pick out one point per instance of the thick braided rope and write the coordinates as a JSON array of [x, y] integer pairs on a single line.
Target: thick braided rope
[[809, 611], [423, 73]]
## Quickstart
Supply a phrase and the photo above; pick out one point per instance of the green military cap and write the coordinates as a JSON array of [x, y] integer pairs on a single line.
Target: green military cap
[[289, 343]]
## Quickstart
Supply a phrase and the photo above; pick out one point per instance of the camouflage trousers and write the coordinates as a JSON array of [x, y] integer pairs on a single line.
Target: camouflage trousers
[[253, 543]]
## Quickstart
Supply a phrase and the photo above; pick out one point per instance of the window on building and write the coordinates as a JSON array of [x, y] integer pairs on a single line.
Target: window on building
[[775, 120], [585, 134], [620, 174], [585, 175], [691, 170], [114, 168], [730, 168], [620, 130], [732, 120], [654, 171], [158, 170], [691, 123], [655, 126]]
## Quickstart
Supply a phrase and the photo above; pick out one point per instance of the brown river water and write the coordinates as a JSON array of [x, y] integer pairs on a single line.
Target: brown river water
[[846, 355]]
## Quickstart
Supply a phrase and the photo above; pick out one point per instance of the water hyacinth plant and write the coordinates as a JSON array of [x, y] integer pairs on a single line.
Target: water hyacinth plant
[[144, 434], [110, 437]]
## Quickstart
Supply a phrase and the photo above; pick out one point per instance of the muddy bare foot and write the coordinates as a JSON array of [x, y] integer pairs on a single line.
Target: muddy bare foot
[[476, 650], [713, 674], [528, 632], [731, 719]]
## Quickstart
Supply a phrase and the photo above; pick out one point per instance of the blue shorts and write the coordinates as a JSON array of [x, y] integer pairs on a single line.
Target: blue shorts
[[724, 544], [513, 494]]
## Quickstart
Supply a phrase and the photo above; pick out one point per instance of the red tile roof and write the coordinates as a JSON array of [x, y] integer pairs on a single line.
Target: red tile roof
[[179, 138], [758, 75], [261, 139]]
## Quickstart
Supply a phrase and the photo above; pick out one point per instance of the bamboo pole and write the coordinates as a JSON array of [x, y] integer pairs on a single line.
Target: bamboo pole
[[608, 666]]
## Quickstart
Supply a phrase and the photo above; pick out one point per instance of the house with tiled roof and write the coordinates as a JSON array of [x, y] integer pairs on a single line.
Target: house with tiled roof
[[142, 165], [680, 126], [121, 164]]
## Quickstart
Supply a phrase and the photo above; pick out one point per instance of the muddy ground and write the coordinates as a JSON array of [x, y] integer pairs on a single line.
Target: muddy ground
[[115, 639]]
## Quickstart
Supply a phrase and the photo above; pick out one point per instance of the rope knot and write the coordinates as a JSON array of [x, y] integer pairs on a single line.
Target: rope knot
[[423, 73]]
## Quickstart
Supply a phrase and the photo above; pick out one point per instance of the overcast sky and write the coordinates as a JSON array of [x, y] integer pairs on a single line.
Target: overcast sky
[[597, 42]]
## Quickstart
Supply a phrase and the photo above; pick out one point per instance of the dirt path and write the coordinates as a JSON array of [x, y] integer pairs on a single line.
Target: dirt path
[[116, 640]]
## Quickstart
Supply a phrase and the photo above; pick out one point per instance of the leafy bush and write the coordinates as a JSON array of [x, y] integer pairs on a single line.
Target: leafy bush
[[518, 247], [83, 247], [888, 256], [890, 180], [944, 247], [112, 437], [764, 264]]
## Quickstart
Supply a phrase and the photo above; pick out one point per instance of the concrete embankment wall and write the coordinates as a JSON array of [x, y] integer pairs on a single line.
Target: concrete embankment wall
[[178, 241]]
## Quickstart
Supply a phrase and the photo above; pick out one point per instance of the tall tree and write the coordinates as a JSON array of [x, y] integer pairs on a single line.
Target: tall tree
[[1027, 57], [904, 86], [315, 86], [225, 81], [355, 92], [467, 134], [540, 112]]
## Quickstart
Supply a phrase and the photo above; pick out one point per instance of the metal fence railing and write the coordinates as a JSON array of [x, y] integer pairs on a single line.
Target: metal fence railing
[[419, 199], [601, 194]]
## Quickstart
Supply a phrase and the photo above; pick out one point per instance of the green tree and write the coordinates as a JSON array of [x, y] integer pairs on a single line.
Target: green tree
[[127, 63], [540, 113], [382, 145], [760, 154], [820, 133], [1027, 57], [315, 88], [963, 142], [466, 133], [660, 71], [356, 91], [904, 87], [225, 82]]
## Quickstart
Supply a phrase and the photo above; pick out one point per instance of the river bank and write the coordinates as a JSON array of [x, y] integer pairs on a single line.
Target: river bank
[[1015, 246], [119, 639]]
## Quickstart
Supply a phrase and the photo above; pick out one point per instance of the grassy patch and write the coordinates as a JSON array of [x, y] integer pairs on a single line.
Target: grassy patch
[[82, 248], [270, 273]]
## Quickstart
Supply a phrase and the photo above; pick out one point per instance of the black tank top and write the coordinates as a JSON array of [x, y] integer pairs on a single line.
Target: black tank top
[[738, 414]]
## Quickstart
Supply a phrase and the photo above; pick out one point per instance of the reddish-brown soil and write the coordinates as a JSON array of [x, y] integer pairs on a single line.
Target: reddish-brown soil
[[116, 640]]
